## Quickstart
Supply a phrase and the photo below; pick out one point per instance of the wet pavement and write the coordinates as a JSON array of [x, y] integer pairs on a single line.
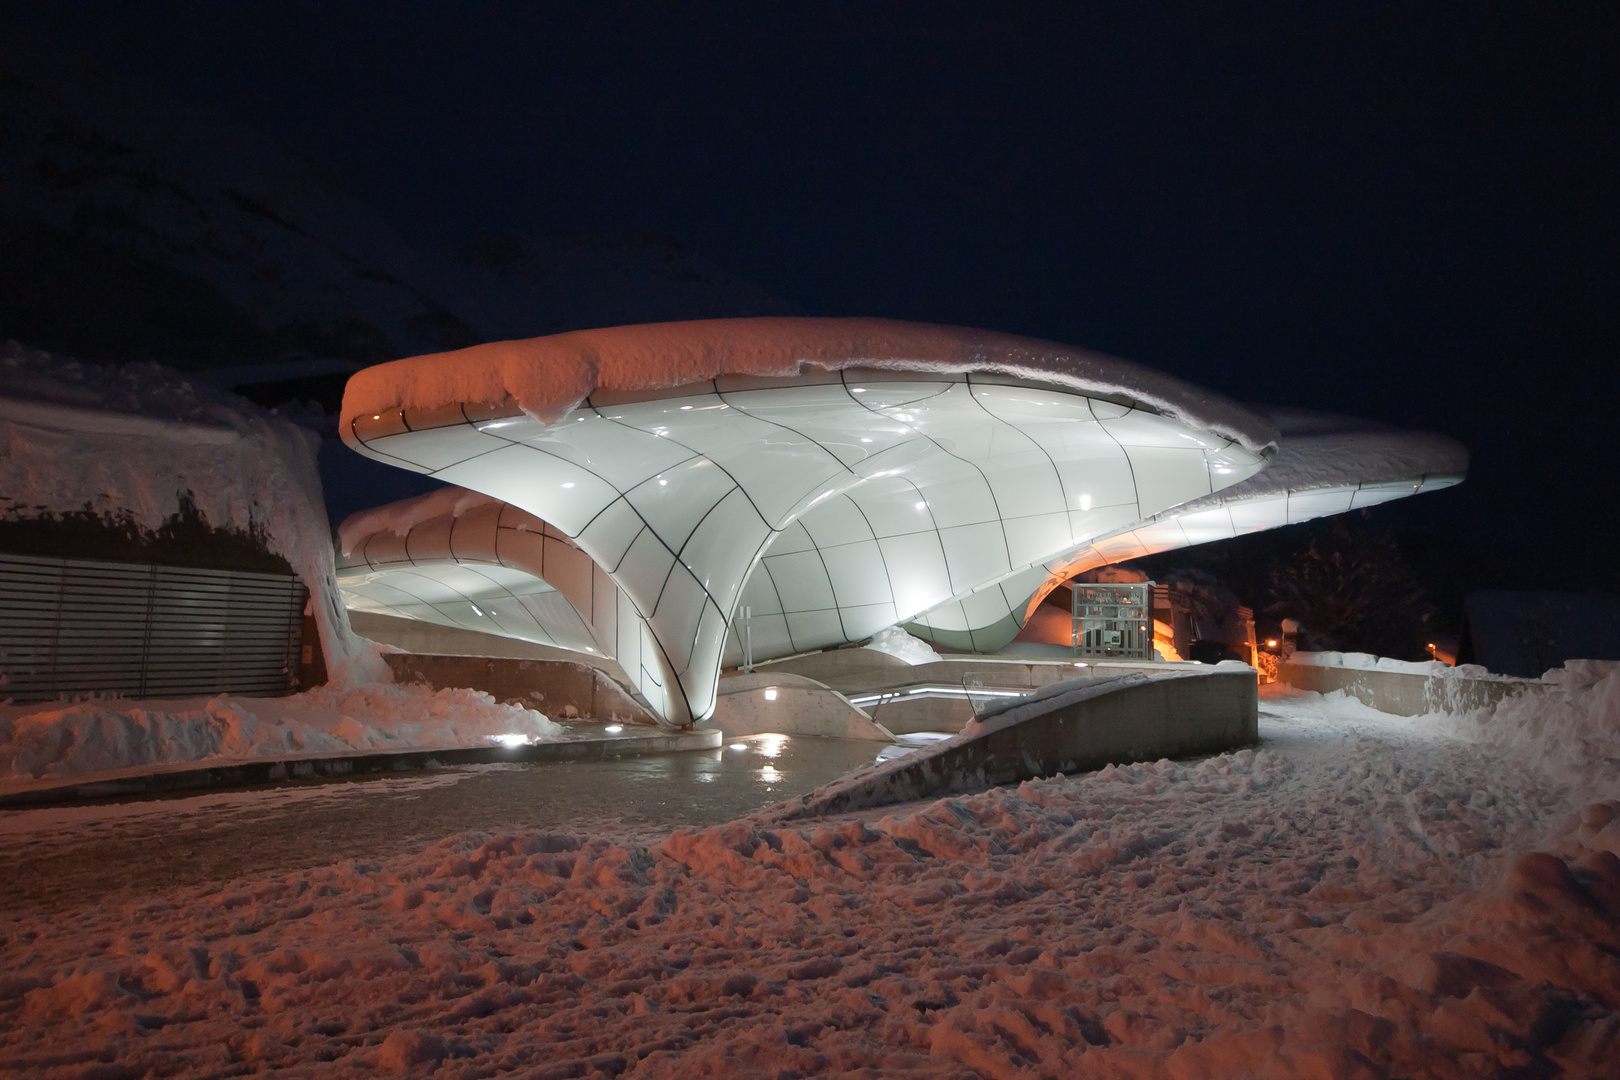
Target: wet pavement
[[64, 857]]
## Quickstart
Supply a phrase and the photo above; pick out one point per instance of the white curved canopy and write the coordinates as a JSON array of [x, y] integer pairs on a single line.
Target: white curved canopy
[[1326, 465], [832, 502]]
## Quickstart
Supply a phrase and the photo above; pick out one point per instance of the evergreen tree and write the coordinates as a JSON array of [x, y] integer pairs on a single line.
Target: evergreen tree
[[1351, 590]]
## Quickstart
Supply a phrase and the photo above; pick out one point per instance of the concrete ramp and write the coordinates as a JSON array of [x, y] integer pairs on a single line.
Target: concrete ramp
[[1076, 725], [782, 703]]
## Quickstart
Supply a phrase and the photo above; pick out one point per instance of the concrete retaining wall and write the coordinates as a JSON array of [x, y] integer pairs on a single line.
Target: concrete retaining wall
[[1076, 726], [786, 704], [546, 685], [1401, 693], [431, 639], [858, 672]]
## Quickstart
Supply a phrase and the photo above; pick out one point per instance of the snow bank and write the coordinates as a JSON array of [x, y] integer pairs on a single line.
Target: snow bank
[[1569, 729], [1359, 661], [895, 642], [47, 742], [1573, 673], [1362, 898], [548, 376], [133, 440]]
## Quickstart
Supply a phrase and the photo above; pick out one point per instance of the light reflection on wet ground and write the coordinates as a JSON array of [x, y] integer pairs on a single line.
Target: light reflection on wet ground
[[57, 857]]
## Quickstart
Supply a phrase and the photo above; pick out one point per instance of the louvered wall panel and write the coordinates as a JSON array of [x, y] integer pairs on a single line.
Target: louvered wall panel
[[72, 626]]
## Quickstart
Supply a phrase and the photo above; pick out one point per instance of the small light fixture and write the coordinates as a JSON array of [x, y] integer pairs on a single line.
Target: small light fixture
[[770, 693], [613, 729], [738, 746], [569, 484]]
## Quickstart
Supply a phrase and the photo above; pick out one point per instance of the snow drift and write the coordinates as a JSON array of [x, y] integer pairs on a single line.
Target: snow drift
[[43, 742]]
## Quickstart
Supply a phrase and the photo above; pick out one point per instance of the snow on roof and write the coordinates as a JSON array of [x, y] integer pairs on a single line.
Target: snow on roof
[[1322, 450], [58, 392], [548, 376], [401, 517]]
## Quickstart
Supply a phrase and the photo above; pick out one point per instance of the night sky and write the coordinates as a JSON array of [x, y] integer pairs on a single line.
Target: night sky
[[1408, 214]]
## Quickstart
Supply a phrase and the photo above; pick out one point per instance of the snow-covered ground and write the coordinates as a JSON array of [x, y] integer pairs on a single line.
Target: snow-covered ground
[[49, 743], [1365, 895]]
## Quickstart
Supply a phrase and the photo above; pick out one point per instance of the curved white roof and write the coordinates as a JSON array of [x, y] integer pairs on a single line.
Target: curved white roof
[[827, 478], [548, 376]]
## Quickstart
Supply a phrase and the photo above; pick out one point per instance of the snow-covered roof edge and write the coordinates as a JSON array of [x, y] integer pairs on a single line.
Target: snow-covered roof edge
[[401, 517], [548, 376], [1325, 450]]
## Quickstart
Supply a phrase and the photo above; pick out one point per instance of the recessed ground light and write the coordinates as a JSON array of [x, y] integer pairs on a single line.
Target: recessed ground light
[[738, 746], [613, 729], [770, 695], [866, 440], [569, 484]]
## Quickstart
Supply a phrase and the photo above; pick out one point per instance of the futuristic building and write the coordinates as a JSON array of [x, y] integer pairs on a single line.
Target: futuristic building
[[832, 477]]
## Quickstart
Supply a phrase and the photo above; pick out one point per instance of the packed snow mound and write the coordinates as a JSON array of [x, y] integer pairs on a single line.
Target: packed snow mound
[[1567, 725], [45, 742], [141, 438], [548, 376], [895, 642]]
